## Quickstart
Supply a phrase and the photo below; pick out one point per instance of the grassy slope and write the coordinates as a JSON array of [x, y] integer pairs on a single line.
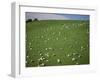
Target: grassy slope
[[66, 38]]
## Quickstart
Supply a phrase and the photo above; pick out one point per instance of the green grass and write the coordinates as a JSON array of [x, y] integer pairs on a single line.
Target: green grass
[[57, 42]]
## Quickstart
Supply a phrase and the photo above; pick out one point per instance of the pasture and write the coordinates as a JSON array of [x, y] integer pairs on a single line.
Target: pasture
[[57, 43]]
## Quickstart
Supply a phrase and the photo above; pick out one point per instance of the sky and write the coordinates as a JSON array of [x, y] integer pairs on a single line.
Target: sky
[[54, 16]]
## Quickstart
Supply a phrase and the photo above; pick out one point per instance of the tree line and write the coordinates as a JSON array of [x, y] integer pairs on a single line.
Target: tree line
[[30, 20]]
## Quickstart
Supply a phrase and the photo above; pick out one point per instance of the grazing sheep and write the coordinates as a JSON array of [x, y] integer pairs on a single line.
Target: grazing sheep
[[73, 59], [46, 48], [54, 54], [58, 60], [68, 55], [77, 63], [27, 56], [42, 64], [30, 48], [47, 60], [57, 38], [79, 56]]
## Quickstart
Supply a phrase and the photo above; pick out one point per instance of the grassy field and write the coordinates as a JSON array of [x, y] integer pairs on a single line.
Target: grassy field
[[57, 43]]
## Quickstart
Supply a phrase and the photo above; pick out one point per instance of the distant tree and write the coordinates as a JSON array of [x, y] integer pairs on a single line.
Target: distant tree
[[29, 20], [35, 19]]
